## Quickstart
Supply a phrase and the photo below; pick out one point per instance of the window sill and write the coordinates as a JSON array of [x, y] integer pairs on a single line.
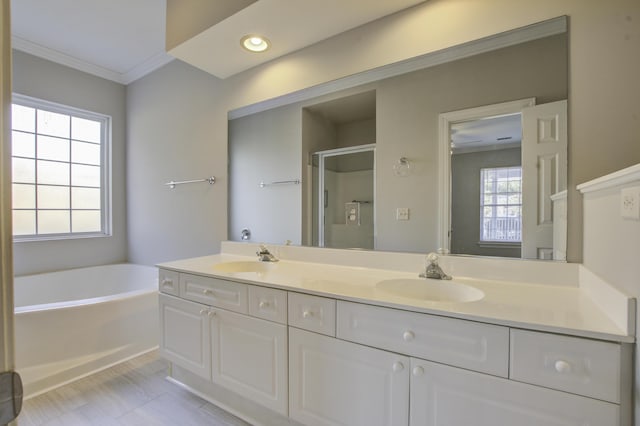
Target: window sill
[[499, 244], [59, 237]]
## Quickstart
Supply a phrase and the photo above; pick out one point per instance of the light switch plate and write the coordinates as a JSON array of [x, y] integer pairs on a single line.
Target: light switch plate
[[630, 203], [402, 213]]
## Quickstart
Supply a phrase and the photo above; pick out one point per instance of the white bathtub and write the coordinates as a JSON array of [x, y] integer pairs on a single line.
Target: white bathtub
[[72, 323]]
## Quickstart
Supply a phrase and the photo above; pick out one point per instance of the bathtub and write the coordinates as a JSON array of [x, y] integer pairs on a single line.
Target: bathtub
[[72, 323]]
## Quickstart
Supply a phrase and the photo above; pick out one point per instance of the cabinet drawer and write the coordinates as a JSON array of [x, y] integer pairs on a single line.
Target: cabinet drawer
[[466, 344], [312, 313], [268, 303], [169, 282], [443, 395], [572, 364], [214, 292]]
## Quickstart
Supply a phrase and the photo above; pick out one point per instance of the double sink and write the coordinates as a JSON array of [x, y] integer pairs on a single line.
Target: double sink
[[410, 288]]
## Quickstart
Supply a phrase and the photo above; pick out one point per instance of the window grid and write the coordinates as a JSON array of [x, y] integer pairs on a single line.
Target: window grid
[[501, 204], [95, 183]]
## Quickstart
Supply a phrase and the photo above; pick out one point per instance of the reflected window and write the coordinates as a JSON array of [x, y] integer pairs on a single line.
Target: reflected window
[[501, 204], [59, 170]]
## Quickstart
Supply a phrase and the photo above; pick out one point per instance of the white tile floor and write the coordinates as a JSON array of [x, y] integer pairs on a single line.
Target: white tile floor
[[134, 393]]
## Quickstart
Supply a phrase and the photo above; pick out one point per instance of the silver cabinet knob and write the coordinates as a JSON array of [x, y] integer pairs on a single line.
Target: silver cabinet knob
[[408, 335]]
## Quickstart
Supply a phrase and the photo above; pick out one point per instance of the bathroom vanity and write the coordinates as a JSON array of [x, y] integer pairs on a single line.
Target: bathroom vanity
[[314, 339]]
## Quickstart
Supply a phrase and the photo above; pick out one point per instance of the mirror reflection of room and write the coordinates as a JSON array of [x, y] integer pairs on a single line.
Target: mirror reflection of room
[[486, 186], [343, 198], [404, 125]]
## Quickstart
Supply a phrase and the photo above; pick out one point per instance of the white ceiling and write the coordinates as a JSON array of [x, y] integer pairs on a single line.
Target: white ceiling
[[288, 24], [123, 40], [120, 40], [486, 134]]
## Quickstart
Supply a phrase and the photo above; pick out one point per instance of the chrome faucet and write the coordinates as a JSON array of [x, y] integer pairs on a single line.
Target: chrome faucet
[[264, 255], [433, 270]]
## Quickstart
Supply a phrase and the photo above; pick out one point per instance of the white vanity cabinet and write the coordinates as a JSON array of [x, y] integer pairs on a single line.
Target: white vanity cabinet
[[321, 361], [185, 334], [333, 382], [470, 373], [448, 396], [245, 354], [249, 357]]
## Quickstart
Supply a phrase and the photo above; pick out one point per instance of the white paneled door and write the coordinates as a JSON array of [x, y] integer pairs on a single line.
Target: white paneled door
[[544, 174]]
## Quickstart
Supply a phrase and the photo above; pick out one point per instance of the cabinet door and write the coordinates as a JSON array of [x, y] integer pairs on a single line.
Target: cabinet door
[[449, 396], [333, 382], [249, 357], [185, 337]]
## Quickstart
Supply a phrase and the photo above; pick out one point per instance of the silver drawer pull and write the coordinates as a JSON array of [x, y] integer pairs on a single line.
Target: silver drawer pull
[[167, 282], [408, 336], [264, 304], [562, 366], [418, 371], [307, 314], [397, 367], [207, 292]]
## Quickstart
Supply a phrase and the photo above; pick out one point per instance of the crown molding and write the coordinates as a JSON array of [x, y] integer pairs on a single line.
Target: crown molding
[[158, 60]]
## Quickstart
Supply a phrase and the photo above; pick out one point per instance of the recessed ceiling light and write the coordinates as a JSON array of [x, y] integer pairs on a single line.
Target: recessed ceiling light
[[255, 43]]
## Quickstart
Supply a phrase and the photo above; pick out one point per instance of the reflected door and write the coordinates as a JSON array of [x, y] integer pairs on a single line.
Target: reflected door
[[544, 169]]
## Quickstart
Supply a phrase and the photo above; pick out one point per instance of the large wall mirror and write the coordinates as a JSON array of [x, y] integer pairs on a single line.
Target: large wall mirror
[[451, 155]]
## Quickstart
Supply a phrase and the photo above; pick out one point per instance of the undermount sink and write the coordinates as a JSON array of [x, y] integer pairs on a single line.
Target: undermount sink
[[244, 266], [430, 290]]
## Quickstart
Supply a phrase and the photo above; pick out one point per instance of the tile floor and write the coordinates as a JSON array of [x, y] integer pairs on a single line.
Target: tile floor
[[134, 393]]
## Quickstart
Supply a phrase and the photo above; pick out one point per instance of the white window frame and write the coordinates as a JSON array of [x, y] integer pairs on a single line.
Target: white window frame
[[105, 167], [487, 242]]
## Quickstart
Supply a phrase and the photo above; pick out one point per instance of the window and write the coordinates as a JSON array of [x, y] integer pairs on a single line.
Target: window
[[501, 204], [60, 171]]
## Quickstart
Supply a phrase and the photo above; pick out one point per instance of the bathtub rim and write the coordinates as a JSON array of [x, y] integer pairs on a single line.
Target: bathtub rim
[[39, 307], [81, 302]]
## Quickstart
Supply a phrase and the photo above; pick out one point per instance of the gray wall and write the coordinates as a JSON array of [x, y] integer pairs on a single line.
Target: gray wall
[[172, 117], [266, 148], [356, 133], [318, 134], [46, 80], [465, 200]]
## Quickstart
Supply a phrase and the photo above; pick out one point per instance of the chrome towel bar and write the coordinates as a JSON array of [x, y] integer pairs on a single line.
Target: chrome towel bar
[[280, 182], [173, 184]]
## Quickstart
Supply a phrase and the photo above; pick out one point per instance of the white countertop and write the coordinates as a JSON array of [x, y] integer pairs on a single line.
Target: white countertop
[[552, 308]]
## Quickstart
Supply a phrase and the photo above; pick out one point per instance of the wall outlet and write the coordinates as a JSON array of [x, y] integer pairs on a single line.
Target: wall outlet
[[402, 213], [630, 203]]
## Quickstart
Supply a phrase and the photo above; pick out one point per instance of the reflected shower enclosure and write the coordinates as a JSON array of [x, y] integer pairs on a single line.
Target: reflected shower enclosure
[[343, 197]]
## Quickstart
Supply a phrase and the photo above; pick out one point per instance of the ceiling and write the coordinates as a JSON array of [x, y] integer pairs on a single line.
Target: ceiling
[[486, 134], [120, 40], [347, 109], [289, 25], [123, 40]]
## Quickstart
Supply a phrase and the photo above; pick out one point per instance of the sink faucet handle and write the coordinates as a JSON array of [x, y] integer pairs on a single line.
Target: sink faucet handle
[[432, 258], [433, 270], [264, 255]]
